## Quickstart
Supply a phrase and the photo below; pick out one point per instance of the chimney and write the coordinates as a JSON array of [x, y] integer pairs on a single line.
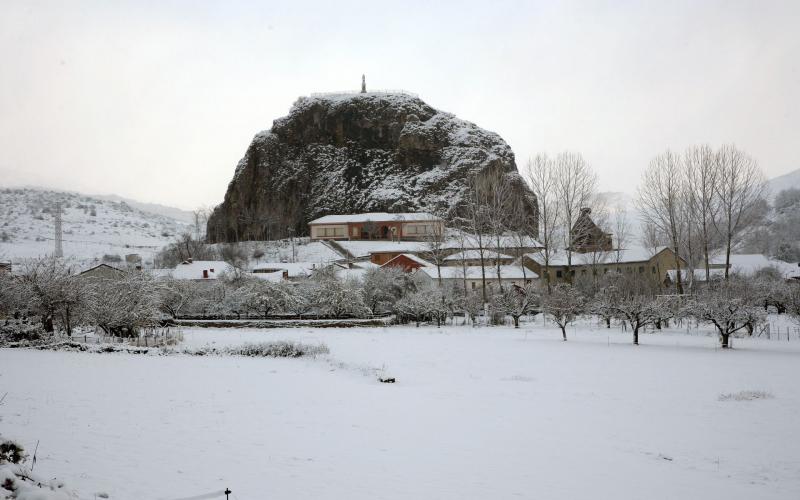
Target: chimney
[[286, 275], [189, 260]]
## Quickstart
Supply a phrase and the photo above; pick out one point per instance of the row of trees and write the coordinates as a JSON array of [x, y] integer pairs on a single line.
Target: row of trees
[[47, 291], [701, 200]]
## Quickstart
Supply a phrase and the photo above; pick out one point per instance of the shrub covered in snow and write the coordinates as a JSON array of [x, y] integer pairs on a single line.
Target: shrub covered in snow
[[280, 349], [17, 482], [277, 349], [13, 331]]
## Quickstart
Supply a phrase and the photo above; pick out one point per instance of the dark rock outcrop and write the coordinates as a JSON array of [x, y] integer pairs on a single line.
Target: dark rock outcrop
[[354, 153]]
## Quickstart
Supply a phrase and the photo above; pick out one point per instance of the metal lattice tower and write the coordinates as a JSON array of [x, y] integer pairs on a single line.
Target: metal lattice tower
[[59, 250]]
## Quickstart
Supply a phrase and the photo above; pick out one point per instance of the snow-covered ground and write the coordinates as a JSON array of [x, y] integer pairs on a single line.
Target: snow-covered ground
[[475, 413]]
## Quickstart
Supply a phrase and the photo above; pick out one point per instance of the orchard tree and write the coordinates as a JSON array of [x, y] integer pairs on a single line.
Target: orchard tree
[[382, 287], [517, 300], [564, 303], [728, 306], [124, 305], [45, 286], [634, 299]]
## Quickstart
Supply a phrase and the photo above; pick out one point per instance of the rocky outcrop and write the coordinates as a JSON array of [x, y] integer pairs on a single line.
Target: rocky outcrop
[[349, 153]]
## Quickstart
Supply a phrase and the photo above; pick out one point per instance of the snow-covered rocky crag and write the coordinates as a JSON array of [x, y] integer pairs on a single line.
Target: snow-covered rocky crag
[[92, 228], [350, 153]]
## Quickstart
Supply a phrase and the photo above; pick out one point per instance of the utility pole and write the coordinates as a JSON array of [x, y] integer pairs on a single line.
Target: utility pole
[[227, 492], [59, 250]]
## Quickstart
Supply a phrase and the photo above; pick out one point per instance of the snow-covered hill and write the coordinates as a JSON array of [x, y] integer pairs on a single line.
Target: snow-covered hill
[[93, 228], [786, 181]]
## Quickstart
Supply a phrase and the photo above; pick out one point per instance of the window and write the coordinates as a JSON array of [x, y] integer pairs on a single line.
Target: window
[[654, 269], [559, 274], [473, 285], [641, 269], [355, 231], [417, 229], [331, 232]]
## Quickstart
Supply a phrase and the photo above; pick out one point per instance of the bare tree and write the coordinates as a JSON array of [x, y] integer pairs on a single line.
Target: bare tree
[[477, 221], [701, 174], [436, 248], [575, 190], [620, 224], [660, 197], [542, 178], [740, 187]]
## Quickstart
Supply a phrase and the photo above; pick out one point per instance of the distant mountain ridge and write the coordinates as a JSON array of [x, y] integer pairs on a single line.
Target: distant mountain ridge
[[785, 181]]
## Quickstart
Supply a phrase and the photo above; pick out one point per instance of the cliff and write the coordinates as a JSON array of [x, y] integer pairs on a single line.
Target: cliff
[[349, 153]]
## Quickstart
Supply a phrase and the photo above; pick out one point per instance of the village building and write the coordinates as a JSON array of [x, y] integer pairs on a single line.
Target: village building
[[376, 226], [591, 253], [473, 276], [651, 264], [472, 257], [290, 271], [5, 267], [201, 270]]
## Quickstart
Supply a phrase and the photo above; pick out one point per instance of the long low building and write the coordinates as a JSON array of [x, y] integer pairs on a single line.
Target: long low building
[[474, 275], [375, 226], [654, 264]]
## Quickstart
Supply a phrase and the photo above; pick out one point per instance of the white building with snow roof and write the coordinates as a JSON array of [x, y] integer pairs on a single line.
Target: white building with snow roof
[[375, 226]]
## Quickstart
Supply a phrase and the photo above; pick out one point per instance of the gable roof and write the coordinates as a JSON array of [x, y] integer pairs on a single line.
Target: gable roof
[[422, 262], [102, 266]]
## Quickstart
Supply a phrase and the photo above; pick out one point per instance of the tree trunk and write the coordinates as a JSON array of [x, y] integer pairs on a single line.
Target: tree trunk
[[725, 340], [564, 333], [516, 321], [47, 323], [635, 334], [608, 322]]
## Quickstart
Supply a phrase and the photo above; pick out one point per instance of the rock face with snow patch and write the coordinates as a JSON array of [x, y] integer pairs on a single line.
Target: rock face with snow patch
[[346, 153]]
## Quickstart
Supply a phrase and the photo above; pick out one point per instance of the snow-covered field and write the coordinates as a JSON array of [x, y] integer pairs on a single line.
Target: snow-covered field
[[476, 413]]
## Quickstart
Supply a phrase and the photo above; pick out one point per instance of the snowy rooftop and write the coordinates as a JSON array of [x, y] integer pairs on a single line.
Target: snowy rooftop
[[294, 269], [475, 254], [621, 256], [194, 270], [474, 272], [374, 217]]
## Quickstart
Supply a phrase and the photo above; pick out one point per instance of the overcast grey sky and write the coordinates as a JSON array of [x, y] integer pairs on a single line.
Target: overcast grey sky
[[158, 100]]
